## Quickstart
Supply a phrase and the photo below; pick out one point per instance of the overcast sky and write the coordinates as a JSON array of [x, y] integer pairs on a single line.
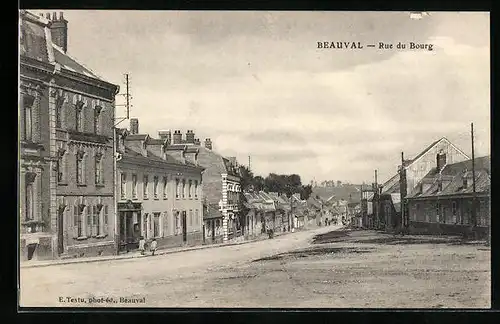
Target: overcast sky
[[256, 83]]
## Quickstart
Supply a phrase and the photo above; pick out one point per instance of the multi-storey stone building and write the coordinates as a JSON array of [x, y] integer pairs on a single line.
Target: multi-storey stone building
[[159, 196], [221, 183], [66, 165]]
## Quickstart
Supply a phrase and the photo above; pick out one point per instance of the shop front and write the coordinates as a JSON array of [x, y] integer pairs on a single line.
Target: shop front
[[129, 216]]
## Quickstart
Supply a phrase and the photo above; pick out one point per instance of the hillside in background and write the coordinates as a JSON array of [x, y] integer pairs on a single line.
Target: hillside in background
[[343, 192]]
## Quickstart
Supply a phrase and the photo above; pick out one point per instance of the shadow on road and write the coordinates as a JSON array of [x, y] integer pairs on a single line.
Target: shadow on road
[[313, 252], [330, 237]]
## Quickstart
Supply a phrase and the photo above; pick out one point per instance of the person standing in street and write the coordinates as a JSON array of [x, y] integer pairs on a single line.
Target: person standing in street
[[142, 245], [153, 247]]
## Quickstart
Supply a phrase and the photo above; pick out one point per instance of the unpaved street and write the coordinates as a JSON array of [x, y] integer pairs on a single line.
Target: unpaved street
[[338, 269]]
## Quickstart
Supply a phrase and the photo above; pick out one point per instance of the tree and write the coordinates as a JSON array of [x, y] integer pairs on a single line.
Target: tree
[[258, 183], [246, 178], [306, 192]]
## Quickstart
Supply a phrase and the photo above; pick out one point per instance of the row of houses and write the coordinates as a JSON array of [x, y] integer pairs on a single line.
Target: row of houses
[[88, 188], [435, 192]]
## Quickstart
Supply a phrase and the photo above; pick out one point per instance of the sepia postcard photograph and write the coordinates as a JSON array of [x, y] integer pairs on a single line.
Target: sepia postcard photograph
[[254, 159]]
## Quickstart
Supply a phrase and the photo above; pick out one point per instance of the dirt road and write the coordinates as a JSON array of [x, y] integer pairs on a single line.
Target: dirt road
[[335, 270]]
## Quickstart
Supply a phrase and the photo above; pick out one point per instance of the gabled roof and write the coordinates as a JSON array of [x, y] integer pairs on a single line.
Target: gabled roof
[[36, 44], [137, 137], [452, 180], [153, 158], [392, 185]]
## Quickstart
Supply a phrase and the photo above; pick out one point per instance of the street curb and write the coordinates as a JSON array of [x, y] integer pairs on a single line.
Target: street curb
[[134, 256]]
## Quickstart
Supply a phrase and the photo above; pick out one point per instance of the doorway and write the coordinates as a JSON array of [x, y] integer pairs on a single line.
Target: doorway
[[184, 227], [60, 230]]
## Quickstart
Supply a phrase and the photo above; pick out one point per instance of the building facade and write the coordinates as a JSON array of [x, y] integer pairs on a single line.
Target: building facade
[[67, 158], [159, 197], [221, 181], [414, 170], [444, 200]]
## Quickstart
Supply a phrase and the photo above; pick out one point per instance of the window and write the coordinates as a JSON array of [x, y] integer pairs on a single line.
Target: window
[[59, 112], [165, 192], [60, 166], [134, 186], [190, 217], [196, 189], [97, 113], [165, 225], [176, 220], [77, 220], [80, 168], [96, 220], [89, 221], [105, 219], [440, 185], [197, 217], [464, 182], [177, 188], [156, 224], [99, 179], [437, 212], [123, 186], [30, 196], [190, 188], [183, 188], [28, 117], [79, 116], [155, 187], [145, 186], [145, 228], [454, 211]]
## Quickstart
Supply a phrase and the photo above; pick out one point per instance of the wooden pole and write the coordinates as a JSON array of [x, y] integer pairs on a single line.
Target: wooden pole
[[474, 215]]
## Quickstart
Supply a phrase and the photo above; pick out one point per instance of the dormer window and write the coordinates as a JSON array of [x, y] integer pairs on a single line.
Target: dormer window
[[464, 182], [440, 185]]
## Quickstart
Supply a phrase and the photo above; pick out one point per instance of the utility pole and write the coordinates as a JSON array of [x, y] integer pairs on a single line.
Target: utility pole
[[377, 205], [127, 105], [474, 216], [402, 191]]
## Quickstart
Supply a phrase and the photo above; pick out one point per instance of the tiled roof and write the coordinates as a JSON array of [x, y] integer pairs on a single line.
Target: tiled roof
[[452, 179], [34, 44], [136, 137], [212, 211], [152, 157]]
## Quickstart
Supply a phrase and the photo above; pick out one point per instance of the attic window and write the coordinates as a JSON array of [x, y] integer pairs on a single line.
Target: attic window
[[464, 183], [440, 186]]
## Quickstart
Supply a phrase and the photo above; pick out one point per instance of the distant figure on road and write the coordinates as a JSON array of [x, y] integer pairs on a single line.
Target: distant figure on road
[[153, 247], [142, 245]]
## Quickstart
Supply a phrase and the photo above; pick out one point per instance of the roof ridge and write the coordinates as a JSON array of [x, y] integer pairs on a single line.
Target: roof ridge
[[76, 60]]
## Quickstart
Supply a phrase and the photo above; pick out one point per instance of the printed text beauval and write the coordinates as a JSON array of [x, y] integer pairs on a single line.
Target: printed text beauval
[[377, 45]]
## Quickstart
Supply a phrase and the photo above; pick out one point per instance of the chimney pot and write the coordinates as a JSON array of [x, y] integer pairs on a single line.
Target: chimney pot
[[61, 16], [134, 126], [59, 31], [54, 16], [47, 15]]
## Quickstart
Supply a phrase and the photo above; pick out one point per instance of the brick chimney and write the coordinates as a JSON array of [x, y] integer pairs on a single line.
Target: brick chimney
[[134, 126], [165, 135], [190, 137], [177, 138], [197, 142], [59, 30], [440, 161], [208, 143]]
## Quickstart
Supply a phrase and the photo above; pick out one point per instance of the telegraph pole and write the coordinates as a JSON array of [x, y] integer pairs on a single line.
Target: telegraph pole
[[403, 193], [377, 205], [127, 105], [474, 215]]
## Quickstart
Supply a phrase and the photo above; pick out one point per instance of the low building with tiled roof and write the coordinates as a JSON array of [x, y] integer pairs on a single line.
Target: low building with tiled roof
[[443, 200], [67, 117], [160, 197]]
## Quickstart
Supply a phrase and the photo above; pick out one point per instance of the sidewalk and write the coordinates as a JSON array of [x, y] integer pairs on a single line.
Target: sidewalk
[[136, 254]]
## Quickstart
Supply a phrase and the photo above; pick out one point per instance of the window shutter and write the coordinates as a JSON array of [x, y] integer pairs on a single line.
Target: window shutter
[[89, 221], [75, 221], [105, 227]]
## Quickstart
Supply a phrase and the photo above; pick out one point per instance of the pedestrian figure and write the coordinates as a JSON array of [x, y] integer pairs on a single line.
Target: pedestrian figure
[[153, 247], [142, 245]]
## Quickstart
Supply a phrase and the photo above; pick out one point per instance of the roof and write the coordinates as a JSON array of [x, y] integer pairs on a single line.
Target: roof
[[392, 185], [136, 137], [36, 45], [230, 168], [152, 157], [212, 211], [156, 141], [452, 180]]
